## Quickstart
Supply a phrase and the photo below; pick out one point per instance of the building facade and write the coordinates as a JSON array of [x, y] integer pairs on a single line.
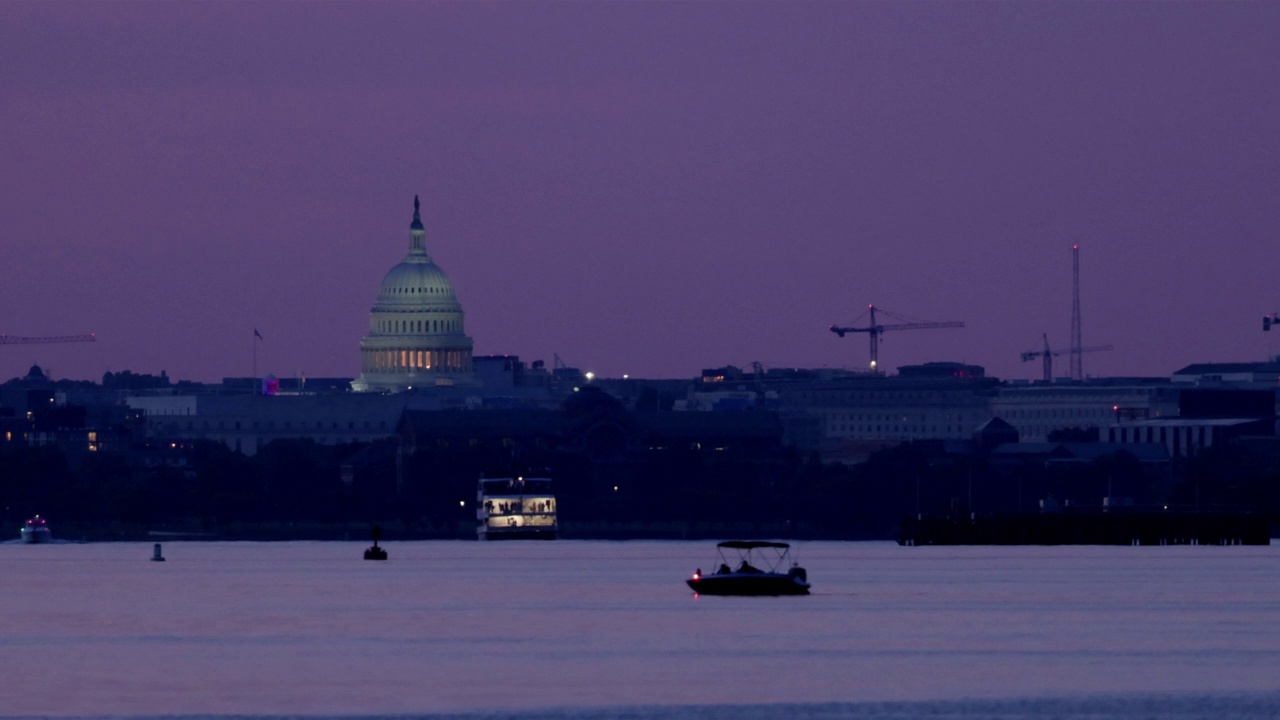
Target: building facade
[[1038, 409], [245, 423], [845, 419], [1185, 437]]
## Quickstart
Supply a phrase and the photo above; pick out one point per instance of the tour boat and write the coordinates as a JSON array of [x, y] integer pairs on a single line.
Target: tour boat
[[515, 507], [36, 530], [763, 568]]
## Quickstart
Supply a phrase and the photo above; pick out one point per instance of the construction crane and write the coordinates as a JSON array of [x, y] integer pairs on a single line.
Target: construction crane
[[874, 330], [19, 340], [757, 374], [1048, 356]]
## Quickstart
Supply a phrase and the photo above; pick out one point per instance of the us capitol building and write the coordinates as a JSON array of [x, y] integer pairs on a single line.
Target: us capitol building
[[416, 336]]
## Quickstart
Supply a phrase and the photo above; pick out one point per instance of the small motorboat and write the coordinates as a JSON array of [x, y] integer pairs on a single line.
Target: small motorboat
[[36, 530], [762, 568]]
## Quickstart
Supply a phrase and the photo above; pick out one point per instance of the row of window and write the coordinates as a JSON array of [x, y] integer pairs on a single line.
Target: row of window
[[1200, 435], [839, 398], [1102, 414], [898, 430], [445, 443], [417, 291], [1105, 394], [442, 361], [891, 417], [417, 326]]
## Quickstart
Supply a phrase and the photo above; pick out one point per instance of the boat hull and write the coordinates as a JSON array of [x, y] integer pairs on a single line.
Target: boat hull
[[498, 534], [749, 584], [39, 535]]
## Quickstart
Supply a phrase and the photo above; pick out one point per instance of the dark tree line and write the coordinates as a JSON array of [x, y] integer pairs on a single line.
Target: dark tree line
[[299, 483], [289, 481]]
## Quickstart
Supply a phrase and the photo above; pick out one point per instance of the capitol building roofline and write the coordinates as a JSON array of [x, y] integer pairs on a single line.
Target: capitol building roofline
[[416, 334]]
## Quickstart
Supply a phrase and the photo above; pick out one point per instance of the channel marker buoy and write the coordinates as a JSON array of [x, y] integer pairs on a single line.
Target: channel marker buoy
[[375, 552]]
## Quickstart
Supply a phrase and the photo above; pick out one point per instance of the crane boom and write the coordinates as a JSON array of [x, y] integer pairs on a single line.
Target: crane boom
[[1048, 355], [20, 340], [874, 330], [922, 325]]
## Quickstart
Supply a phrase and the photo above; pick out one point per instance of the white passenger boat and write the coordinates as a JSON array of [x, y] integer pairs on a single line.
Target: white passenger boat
[[515, 507], [36, 530]]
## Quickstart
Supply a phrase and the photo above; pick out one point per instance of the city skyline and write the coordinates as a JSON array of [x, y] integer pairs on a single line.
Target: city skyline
[[639, 188]]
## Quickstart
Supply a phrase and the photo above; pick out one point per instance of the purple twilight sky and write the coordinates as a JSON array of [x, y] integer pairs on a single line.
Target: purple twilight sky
[[640, 187]]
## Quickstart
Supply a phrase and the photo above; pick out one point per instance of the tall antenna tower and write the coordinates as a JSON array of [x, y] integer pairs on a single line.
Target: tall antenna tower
[[1077, 347]]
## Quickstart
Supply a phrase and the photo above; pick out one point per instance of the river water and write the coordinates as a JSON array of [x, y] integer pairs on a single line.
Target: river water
[[586, 629]]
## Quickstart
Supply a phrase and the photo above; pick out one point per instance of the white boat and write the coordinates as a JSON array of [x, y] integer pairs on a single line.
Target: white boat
[[515, 507], [36, 530]]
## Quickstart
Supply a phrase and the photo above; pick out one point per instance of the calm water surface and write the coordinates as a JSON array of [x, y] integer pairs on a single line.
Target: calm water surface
[[600, 629]]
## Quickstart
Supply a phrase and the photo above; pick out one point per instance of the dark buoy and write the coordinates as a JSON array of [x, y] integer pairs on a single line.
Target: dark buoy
[[155, 554], [375, 552]]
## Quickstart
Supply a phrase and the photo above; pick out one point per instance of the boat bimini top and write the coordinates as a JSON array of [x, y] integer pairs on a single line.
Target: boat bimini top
[[777, 561]]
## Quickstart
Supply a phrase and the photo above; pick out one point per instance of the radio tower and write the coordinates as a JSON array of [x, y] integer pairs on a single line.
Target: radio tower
[[1077, 347]]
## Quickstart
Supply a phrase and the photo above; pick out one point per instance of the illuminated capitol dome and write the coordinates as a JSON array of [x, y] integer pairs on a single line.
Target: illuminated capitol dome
[[415, 328]]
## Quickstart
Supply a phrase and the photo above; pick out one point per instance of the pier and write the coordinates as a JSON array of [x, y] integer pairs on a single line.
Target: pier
[[1089, 527]]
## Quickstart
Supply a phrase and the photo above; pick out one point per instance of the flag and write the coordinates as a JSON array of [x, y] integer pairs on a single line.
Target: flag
[[257, 334]]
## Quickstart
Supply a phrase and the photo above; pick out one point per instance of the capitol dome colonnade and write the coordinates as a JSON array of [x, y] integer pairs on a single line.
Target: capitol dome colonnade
[[416, 336]]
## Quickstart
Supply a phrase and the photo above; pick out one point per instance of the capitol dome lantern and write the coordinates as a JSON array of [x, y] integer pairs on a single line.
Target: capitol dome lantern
[[416, 336]]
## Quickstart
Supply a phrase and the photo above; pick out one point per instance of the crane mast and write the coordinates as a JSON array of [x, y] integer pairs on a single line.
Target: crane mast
[[874, 330], [1077, 346]]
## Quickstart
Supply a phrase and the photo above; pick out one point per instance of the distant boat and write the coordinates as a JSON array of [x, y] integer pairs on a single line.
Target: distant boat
[[763, 568], [515, 507], [36, 530]]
